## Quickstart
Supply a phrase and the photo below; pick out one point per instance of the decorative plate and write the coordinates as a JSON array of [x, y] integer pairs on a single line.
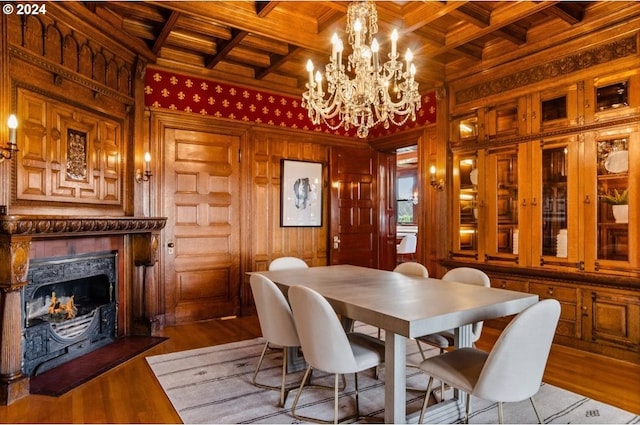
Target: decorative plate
[[617, 162], [473, 175]]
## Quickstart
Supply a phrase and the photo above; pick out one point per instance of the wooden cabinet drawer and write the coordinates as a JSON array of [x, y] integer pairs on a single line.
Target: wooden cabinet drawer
[[510, 284], [560, 293]]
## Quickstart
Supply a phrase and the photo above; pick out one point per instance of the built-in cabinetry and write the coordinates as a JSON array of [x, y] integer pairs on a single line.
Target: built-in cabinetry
[[546, 183], [601, 319]]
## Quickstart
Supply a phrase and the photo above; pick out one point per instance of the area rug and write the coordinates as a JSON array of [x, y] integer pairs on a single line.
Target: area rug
[[69, 375], [213, 385]]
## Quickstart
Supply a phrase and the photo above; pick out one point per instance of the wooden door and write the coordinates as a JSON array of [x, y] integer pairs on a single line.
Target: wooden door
[[388, 210], [353, 237], [201, 203]]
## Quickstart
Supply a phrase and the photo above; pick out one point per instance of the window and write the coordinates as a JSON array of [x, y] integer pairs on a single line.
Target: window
[[407, 197]]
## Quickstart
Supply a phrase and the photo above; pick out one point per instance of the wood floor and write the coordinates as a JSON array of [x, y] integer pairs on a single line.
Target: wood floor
[[130, 393]]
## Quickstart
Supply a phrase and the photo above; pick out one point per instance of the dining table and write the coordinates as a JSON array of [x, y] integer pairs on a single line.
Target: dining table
[[406, 307]]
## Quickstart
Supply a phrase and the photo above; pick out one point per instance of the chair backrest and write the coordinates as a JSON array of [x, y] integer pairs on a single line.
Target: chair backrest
[[324, 342], [473, 277], [283, 263], [274, 313], [407, 245], [513, 371], [411, 268]]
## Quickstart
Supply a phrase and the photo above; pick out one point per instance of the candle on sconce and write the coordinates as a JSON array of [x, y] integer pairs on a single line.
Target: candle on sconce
[[147, 162], [12, 123], [433, 173]]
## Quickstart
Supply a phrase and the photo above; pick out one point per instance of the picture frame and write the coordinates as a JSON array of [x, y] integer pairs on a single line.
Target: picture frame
[[301, 187]]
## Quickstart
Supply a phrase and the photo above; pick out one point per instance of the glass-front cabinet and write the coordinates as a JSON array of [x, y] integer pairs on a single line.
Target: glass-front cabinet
[[551, 179], [555, 208], [465, 240], [563, 203], [613, 156]]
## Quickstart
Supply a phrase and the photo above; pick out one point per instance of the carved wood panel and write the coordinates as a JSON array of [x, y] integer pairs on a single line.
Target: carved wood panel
[[67, 154]]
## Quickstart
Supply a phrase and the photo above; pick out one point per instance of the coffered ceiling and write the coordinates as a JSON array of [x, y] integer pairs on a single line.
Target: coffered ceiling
[[268, 42]]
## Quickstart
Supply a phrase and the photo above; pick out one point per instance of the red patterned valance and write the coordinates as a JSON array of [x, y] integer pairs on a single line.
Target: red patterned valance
[[170, 90]]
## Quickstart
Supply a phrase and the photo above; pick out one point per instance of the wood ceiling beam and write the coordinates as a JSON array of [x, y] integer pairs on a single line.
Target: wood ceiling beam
[[502, 16], [563, 12], [223, 51], [229, 14], [264, 7], [276, 62], [428, 13], [168, 26]]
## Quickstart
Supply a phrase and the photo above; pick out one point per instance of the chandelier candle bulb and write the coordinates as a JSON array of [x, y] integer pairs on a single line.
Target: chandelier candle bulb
[[394, 43], [408, 57], [310, 70], [334, 46], [374, 48], [319, 83]]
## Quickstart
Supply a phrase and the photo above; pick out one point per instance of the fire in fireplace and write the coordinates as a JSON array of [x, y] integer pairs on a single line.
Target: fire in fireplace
[[70, 309]]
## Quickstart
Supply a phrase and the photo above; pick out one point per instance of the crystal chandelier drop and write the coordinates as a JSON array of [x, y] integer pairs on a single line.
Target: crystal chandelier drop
[[365, 92]]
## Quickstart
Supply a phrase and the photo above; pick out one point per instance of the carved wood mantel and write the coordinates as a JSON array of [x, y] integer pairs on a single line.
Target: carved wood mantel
[[16, 233]]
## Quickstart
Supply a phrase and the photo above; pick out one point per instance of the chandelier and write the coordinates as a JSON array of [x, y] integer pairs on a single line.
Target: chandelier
[[365, 92]]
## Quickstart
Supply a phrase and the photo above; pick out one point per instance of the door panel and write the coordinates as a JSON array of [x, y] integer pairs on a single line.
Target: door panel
[[354, 208], [201, 203]]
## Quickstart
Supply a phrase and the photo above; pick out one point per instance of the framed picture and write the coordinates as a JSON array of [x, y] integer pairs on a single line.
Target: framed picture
[[300, 194]]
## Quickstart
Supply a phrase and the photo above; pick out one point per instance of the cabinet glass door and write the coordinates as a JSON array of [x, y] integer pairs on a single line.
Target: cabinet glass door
[[467, 208], [502, 239], [555, 201], [613, 196]]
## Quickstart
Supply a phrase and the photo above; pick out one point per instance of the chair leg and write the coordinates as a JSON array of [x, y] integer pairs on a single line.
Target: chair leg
[[500, 413], [467, 407], [255, 374], [355, 377], [335, 399], [295, 400], [426, 400], [535, 409], [283, 391], [421, 350]]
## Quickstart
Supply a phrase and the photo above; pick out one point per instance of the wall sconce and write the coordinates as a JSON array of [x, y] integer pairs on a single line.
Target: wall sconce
[[436, 184], [7, 153], [144, 177]]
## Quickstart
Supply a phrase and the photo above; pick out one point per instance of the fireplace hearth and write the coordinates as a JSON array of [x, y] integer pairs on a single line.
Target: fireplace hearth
[[70, 309]]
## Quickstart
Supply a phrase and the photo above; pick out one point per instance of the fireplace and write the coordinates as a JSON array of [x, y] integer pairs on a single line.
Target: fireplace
[[69, 308], [50, 251]]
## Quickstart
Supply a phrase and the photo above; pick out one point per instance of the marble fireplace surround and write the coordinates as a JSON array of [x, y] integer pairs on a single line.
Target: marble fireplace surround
[[16, 234]]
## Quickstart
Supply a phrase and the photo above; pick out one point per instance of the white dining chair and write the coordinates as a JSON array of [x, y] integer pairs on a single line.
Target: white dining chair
[[445, 339], [411, 268], [284, 263], [277, 325], [327, 347], [407, 246], [511, 371]]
